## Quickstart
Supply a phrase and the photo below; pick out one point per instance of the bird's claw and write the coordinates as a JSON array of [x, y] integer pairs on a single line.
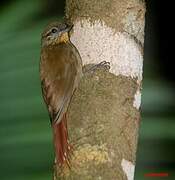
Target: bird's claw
[[104, 64]]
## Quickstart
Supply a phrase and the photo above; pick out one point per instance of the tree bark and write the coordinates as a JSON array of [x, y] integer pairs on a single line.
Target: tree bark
[[104, 114]]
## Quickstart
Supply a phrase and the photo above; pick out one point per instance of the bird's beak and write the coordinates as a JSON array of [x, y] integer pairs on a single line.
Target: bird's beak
[[64, 36], [68, 28]]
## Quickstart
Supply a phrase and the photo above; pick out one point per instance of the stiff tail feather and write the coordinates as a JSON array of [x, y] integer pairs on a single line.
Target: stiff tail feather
[[62, 147]]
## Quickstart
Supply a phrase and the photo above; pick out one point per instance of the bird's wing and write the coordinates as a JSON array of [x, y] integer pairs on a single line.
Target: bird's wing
[[57, 81]]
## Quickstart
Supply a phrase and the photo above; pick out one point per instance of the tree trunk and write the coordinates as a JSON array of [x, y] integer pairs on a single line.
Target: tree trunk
[[104, 114]]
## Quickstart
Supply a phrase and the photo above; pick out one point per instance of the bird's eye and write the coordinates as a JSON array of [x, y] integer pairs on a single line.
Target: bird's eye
[[54, 30]]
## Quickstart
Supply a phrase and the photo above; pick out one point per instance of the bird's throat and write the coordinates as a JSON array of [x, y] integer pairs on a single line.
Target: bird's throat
[[64, 38]]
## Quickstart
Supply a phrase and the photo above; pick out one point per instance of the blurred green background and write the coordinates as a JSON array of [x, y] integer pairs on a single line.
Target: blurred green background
[[26, 150]]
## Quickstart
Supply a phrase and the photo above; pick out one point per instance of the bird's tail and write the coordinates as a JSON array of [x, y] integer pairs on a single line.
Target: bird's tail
[[62, 147]]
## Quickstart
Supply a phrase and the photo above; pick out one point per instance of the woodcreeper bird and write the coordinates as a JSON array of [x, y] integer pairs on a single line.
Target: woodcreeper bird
[[60, 73]]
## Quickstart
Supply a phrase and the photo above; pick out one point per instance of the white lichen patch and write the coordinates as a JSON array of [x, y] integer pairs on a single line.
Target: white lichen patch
[[97, 42], [128, 168], [137, 99]]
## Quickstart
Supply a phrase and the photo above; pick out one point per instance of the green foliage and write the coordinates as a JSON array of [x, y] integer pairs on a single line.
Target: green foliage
[[26, 139]]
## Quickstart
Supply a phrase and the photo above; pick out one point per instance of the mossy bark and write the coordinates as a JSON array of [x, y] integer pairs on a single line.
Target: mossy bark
[[103, 123]]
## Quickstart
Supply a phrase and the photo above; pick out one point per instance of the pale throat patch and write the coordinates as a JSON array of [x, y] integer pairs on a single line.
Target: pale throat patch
[[63, 38]]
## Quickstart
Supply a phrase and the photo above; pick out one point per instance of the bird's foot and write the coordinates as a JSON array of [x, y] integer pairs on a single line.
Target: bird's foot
[[102, 65]]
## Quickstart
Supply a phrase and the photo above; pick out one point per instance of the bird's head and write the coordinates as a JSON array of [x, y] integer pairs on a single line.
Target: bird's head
[[56, 33]]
